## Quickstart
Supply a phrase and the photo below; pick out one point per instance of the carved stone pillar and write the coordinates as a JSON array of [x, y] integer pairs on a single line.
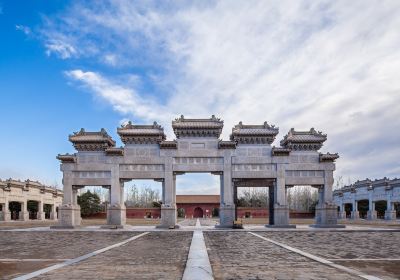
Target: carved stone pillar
[[116, 213], [41, 215], [168, 209], [371, 214], [326, 210], [281, 209], [69, 211], [355, 215], [24, 213], [227, 205], [53, 213], [390, 213]]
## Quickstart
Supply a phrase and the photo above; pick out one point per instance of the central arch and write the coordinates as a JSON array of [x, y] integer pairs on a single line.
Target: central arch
[[198, 212]]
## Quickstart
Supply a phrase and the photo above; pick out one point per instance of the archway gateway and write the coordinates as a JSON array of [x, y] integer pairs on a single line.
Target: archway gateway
[[247, 156]]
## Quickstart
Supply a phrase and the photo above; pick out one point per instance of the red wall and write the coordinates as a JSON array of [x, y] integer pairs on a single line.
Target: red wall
[[140, 213]]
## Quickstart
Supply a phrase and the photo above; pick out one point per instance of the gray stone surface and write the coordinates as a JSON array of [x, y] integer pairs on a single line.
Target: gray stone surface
[[158, 255], [243, 256]]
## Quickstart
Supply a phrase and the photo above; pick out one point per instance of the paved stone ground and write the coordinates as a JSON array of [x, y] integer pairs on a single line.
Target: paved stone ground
[[157, 255], [349, 245], [49, 245], [235, 255]]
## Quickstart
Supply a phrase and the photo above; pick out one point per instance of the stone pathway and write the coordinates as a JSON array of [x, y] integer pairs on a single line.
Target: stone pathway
[[198, 265]]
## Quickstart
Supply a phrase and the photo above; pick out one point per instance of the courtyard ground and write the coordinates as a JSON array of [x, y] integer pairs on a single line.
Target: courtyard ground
[[142, 252]]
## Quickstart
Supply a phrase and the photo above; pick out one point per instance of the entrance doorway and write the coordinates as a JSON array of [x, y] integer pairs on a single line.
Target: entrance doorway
[[198, 212], [14, 207]]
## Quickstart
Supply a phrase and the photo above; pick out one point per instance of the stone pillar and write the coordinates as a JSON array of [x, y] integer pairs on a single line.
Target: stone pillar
[[355, 215], [41, 215], [281, 209], [116, 213], [6, 211], [227, 204], [53, 213], [371, 214], [168, 208], [326, 210], [69, 211], [342, 212], [390, 213], [24, 213]]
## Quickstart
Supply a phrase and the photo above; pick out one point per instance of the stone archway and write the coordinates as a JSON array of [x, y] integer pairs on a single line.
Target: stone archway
[[198, 212]]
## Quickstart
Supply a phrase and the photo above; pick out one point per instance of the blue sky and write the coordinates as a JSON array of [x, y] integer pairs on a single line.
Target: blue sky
[[71, 64]]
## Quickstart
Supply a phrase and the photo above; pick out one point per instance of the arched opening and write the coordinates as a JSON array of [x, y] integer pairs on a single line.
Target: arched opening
[[380, 207], [397, 209], [363, 206], [302, 202], [198, 213], [252, 204], [348, 208], [199, 195], [15, 208], [47, 211], [33, 209], [93, 201], [143, 199]]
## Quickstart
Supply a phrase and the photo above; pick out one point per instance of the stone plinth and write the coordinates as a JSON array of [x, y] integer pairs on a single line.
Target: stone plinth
[[326, 216], [53, 215], [342, 215], [41, 216], [24, 216], [390, 215], [355, 215], [281, 217], [69, 216], [371, 215], [226, 216], [116, 215], [168, 217]]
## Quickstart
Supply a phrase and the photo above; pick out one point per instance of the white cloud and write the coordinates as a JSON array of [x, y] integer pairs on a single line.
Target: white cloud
[[25, 29], [330, 65]]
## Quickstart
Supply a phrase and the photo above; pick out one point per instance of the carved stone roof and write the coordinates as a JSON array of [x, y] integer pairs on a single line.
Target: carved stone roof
[[91, 141], [304, 140], [328, 157], [211, 127], [254, 134], [25, 185], [141, 134], [67, 158], [168, 145], [226, 145], [115, 151], [278, 151]]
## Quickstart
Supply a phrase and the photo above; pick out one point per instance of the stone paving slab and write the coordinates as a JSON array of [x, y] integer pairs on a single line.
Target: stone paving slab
[[49, 245], [342, 245], [350, 246], [239, 255], [157, 255]]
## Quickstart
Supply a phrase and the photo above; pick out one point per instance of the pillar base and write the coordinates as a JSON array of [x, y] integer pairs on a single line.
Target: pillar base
[[116, 215], [281, 216], [41, 216], [342, 215], [168, 217], [69, 216], [53, 215], [23, 216], [390, 215], [371, 215], [6, 216], [355, 215], [326, 215], [226, 216]]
